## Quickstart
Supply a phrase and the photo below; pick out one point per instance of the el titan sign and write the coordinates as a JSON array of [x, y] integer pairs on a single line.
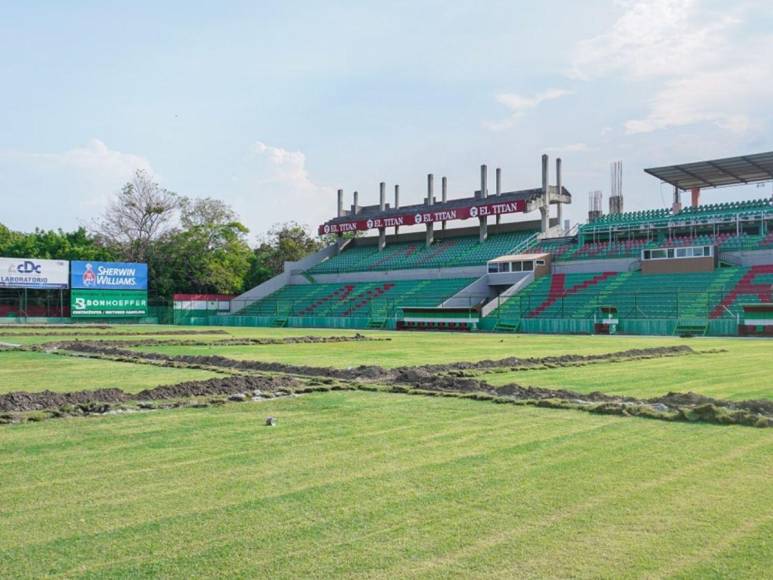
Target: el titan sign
[[426, 217]]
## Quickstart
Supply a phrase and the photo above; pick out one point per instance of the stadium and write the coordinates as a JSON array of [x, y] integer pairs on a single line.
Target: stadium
[[690, 269], [513, 398], [379, 290]]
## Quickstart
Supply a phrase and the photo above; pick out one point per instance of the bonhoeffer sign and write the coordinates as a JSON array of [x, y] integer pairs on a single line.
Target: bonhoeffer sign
[[33, 273], [108, 303], [109, 275], [426, 217]]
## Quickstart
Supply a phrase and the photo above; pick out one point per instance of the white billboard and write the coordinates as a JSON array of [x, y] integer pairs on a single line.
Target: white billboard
[[34, 273]]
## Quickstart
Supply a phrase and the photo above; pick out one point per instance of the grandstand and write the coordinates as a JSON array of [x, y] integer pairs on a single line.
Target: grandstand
[[444, 253], [661, 270]]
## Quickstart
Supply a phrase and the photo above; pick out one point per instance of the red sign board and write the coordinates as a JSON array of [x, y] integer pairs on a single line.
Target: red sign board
[[426, 217]]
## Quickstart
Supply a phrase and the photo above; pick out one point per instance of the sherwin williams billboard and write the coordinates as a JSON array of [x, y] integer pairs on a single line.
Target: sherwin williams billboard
[[33, 273], [110, 303], [109, 275]]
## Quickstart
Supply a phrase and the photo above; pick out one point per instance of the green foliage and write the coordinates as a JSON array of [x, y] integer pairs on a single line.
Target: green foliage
[[53, 244], [208, 254], [287, 242]]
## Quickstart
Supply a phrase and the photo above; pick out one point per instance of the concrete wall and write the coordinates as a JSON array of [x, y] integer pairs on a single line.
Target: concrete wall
[[291, 271], [526, 278], [471, 295], [588, 266], [748, 258], [392, 275], [678, 265]]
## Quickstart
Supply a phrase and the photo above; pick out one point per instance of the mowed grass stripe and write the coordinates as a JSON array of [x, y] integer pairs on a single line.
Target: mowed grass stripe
[[455, 432], [742, 373], [601, 492], [387, 498], [416, 348], [39, 371]]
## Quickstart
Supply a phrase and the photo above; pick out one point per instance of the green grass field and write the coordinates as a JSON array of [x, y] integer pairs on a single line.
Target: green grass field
[[37, 371], [386, 486], [390, 486]]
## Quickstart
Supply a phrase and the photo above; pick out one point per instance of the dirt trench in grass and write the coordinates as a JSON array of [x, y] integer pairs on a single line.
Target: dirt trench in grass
[[260, 379]]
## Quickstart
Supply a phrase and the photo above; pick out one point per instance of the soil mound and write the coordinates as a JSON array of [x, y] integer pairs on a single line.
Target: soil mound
[[217, 386], [24, 401]]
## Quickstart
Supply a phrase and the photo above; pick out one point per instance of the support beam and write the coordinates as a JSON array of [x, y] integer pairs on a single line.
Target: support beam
[[339, 236], [499, 189], [695, 193], [444, 194], [381, 206], [559, 188], [483, 220], [397, 204], [544, 210], [430, 201], [676, 207]]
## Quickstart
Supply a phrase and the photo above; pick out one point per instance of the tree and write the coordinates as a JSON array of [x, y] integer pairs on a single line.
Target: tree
[[140, 214], [53, 244], [208, 254], [287, 242]]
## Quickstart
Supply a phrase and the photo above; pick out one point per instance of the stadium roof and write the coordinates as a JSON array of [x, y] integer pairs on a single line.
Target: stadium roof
[[717, 172], [373, 211]]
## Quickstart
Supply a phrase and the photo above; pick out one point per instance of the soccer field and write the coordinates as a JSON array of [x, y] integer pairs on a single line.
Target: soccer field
[[382, 484]]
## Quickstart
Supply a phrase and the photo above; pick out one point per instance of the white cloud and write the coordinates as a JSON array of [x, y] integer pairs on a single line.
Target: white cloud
[[94, 158], [83, 180], [708, 66], [278, 188], [520, 104], [653, 38]]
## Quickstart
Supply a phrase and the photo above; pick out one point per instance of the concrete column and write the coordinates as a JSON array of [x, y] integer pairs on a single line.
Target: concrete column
[[483, 220], [397, 204], [381, 206], [430, 201], [499, 189], [355, 203], [677, 205], [545, 205], [696, 196], [559, 186], [340, 237], [444, 194]]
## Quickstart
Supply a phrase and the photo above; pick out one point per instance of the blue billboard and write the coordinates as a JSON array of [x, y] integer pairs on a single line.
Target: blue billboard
[[109, 275]]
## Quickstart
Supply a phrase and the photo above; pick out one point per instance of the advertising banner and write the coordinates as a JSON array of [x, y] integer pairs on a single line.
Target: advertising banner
[[424, 217], [33, 273], [109, 275], [108, 303]]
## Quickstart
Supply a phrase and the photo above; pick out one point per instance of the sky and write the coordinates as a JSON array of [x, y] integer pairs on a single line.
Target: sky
[[272, 106]]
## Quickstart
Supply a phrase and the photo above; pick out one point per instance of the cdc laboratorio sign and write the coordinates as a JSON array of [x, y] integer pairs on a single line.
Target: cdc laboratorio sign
[[109, 275], [33, 273]]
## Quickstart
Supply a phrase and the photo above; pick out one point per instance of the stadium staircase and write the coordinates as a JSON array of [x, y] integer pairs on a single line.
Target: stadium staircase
[[559, 291], [756, 285]]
